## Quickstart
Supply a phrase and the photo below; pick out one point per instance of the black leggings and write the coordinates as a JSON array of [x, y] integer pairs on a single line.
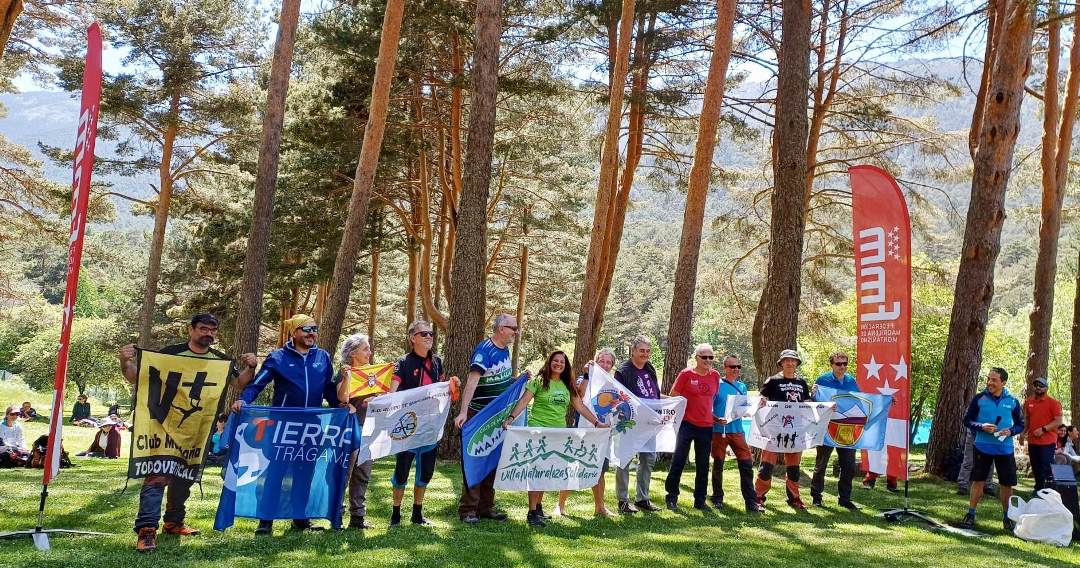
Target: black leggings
[[425, 468]]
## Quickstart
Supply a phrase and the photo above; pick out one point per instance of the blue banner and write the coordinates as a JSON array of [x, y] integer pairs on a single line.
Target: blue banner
[[482, 436], [287, 463], [859, 420]]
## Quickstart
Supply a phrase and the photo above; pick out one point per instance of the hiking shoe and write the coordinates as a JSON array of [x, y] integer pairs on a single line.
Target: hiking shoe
[[701, 506], [647, 505], [797, 504], [357, 522], [717, 501], [179, 529], [817, 502], [1008, 524], [494, 516], [265, 528], [627, 508], [672, 504], [534, 519], [470, 519], [968, 522], [147, 540], [849, 505]]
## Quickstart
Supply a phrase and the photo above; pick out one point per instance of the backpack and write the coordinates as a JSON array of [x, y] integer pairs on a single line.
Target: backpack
[[37, 454]]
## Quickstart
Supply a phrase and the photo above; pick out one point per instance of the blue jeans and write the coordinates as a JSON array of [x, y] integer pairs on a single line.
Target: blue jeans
[[151, 495], [1041, 457]]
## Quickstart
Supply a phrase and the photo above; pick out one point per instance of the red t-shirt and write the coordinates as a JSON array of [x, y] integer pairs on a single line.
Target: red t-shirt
[[699, 392], [1039, 414]]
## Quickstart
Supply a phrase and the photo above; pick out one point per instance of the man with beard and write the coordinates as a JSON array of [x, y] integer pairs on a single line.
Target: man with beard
[[201, 335]]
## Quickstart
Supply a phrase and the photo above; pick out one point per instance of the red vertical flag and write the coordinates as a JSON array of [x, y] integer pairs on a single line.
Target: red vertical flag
[[82, 169], [881, 231]]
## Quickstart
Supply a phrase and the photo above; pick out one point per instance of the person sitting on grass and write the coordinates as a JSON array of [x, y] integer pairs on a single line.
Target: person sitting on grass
[[106, 443], [13, 451], [551, 395], [27, 412], [218, 452], [81, 410], [1069, 452]]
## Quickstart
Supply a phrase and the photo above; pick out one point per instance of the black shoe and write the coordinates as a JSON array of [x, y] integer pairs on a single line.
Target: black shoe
[[990, 490], [962, 490], [1008, 524], [647, 505], [494, 516], [849, 505], [672, 504], [540, 511], [266, 528], [420, 520], [717, 501], [357, 522], [395, 520], [968, 522], [470, 519], [627, 508], [816, 500], [754, 507], [305, 525], [701, 506], [534, 519]]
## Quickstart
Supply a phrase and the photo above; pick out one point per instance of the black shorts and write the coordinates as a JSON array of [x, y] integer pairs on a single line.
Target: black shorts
[[1005, 465]]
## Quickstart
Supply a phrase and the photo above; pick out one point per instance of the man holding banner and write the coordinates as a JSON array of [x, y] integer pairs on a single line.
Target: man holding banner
[[838, 379], [303, 376], [178, 393], [638, 376], [731, 433], [785, 386]]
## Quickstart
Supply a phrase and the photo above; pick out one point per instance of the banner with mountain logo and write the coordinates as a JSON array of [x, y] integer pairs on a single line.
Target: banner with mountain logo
[[552, 459], [786, 427], [482, 436]]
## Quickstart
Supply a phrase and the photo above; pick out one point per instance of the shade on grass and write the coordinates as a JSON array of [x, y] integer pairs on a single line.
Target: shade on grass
[[88, 497]]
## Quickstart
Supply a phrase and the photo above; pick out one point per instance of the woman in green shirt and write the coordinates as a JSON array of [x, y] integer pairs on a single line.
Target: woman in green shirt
[[551, 396]]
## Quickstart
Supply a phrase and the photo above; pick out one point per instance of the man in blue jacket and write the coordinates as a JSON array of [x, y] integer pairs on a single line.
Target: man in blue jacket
[[303, 376], [995, 417], [731, 434], [839, 379]]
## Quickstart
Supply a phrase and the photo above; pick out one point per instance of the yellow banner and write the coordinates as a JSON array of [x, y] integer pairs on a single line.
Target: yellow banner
[[370, 379], [176, 400]]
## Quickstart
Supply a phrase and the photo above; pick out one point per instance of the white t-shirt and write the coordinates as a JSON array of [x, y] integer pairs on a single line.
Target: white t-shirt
[[12, 436]]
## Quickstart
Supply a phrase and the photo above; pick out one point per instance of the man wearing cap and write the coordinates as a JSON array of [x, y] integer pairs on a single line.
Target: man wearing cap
[[201, 335], [839, 379], [785, 386], [303, 376], [1043, 415]]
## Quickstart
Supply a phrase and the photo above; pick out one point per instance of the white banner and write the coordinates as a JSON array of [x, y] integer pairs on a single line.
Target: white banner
[[671, 411], [552, 459], [405, 420], [739, 406], [786, 427], [633, 423]]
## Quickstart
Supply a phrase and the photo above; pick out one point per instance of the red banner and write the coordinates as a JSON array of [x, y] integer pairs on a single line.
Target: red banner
[[881, 232], [83, 167]]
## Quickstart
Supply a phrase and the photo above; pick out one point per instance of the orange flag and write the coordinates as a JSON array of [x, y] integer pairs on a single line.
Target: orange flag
[[370, 379]]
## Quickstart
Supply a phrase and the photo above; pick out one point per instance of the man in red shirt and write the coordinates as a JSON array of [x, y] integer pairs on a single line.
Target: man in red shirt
[[698, 385], [1042, 414]]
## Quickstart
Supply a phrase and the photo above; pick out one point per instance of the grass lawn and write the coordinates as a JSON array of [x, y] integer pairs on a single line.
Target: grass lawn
[[88, 497]]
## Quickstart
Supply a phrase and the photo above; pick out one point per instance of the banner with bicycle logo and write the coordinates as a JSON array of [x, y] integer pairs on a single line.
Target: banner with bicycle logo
[[405, 420]]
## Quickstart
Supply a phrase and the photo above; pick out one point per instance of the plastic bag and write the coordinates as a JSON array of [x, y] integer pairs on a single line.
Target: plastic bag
[[1017, 507], [1043, 519]]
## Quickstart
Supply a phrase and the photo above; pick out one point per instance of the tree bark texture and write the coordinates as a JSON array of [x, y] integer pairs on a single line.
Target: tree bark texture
[[982, 232], [353, 233], [682, 298], [9, 11], [249, 312], [523, 283], [778, 310]]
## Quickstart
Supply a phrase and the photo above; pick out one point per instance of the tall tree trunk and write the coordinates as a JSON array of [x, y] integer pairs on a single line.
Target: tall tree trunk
[[1074, 354], [9, 11], [682, 297], [523, 282], [994, 21], [778, 309], [585, 342], [353, 233], [982, 233], [423, 217], [1042, 307], [467, 306], [161, 219], [249, 311], [373, 287]]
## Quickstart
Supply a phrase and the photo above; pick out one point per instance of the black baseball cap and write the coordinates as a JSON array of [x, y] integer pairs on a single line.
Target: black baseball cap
[[207, 319]]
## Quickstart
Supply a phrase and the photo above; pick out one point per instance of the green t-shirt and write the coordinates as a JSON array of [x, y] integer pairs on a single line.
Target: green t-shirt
[[548, 409]]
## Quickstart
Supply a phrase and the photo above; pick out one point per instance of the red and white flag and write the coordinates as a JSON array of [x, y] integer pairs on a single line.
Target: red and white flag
[[83, 167], [881, 231]]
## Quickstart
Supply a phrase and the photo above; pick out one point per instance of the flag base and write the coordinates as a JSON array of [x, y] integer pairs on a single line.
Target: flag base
[[40, 536]]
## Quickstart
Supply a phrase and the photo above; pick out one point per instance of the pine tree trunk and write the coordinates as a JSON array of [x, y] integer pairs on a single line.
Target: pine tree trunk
[[1074, 354], [368, 161], [1042, 307], [373, 290], [982, 233], [161, 219], [9, 11], [682, 298], [585, 342], [523, 283], [249, 310], [467, 302], [779, 305]]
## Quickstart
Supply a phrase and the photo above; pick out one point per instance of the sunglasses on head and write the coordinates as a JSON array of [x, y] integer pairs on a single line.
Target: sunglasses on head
[[425, 333], [310, 329], [707, 357]]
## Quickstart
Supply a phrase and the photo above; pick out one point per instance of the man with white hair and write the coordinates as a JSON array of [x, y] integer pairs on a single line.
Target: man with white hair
[[698, 385], [639, 376], [490, 373]]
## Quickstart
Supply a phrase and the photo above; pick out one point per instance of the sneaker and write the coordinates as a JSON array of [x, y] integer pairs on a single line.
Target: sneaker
[[420, 520], [968, 522], [534, 519], [357, 522], [470, 519], [540, 511], [556, 512], [1008, 524], [305, 525], [701, 506], [647, 505], [797, 504], [179, 529], [817, 502], [962, 490], [395, 520], [265, 528], [627, 508], [849, 505], [672, 504], [147, 540], [754, 507], [494, 516], [717, 501], [990, 490]]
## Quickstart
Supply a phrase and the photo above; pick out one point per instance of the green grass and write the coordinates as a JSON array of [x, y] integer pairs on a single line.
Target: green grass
[[88, 497]]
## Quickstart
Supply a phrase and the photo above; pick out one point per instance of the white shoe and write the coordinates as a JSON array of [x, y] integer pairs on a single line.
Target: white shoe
[[556, 512]]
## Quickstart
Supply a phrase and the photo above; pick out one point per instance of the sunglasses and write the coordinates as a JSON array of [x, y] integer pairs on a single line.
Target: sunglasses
[[733, 366], [511, 327], [310, 329], [707, 357], [840, 363], [425, 333]]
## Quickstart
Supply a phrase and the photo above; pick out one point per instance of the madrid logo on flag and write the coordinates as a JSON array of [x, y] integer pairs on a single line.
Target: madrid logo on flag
[[611, 402]]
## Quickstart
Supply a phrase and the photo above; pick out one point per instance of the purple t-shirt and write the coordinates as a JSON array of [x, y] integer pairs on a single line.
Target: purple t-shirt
[[642, 382]]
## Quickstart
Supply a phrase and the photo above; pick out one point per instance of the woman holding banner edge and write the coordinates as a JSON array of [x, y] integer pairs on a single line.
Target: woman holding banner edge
[[605, 358], [551, 395], [356, 352]]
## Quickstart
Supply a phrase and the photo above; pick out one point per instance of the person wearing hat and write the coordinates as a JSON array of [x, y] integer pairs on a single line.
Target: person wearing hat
[[785, 386], [1043, 415], [303, 376], [201, 335], [106, 443]]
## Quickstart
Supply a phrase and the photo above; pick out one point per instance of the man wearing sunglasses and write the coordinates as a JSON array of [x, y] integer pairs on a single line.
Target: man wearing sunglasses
[[731, 434], [698, 385], [303, 376], [837, 378], [1043, 415]]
